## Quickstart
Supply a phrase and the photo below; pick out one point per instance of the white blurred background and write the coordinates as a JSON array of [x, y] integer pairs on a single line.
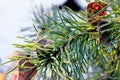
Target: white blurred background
[[14, 14]]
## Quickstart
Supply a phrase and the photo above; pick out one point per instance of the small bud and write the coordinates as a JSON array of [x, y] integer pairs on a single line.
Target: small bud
[[40, 50]]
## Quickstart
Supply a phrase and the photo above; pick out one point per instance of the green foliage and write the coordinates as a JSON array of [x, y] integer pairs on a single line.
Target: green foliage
[[75, 47]]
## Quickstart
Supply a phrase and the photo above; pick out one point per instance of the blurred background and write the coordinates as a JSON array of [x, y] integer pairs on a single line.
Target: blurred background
[[16, 14]]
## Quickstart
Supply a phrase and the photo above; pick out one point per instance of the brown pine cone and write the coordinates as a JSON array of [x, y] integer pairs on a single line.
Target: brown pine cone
[[28, 72]]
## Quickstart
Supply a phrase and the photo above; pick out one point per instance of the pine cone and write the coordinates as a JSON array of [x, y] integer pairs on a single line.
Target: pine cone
[[93, 8], [26, 73]]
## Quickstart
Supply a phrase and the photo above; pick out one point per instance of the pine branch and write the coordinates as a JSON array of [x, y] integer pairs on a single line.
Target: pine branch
[[68, 44]]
